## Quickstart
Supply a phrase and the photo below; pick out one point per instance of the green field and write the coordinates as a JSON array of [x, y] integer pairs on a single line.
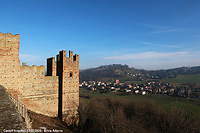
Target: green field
[[180, 79], [135, 82], [165, 102], [130, 80]]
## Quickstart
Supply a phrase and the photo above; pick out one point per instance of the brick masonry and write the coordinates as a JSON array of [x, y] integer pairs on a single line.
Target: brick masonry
[[56, 94]]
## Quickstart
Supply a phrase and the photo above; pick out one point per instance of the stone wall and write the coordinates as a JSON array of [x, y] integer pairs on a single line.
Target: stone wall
[[54, 94], [39, 92]]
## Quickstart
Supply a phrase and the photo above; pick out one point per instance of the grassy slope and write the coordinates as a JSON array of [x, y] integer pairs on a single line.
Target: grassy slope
[[166, 102], [184, 79], [194, 78], [135, 82]]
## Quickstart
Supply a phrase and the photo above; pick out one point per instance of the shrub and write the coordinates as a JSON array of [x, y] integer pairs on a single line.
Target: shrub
[[122, 116]]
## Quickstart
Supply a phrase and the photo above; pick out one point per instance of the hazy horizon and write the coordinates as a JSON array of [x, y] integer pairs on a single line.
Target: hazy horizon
[[139, 68]]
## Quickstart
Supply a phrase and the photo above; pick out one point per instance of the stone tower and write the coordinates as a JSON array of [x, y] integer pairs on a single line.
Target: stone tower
[[67, 70], [9, 62]]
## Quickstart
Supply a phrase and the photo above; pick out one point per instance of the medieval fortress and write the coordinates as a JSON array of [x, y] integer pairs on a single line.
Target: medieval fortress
[[55, 94]]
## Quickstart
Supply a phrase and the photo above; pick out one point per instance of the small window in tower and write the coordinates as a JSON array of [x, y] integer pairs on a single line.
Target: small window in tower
[[71, 74]]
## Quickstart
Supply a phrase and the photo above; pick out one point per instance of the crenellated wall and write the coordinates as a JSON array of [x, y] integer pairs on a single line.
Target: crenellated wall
[[43, 95], [56, 94]]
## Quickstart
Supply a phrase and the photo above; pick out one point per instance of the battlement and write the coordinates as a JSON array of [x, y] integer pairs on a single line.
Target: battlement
[[76, 58], [9, 45], [51, 66], [8, 38], [9, 34], [34, 67], [52, 95], [71, 58]]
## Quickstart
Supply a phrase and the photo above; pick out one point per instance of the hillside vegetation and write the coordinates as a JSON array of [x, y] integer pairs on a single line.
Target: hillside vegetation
[[106, 73], [165, 102], [125, 73], [101, 114]]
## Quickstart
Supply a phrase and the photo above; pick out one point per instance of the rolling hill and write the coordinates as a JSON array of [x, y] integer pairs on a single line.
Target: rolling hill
[[107, 73], [124, 72]]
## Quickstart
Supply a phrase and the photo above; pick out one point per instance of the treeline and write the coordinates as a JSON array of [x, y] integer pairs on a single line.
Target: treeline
[[103, 115], [172, 73]]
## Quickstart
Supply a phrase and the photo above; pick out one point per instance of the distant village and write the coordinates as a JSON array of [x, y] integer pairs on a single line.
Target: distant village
[[151, 87]]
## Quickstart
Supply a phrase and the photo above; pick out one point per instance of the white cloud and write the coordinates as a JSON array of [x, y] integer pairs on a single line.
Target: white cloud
[[155, 26], [32, 59], [27, 57], [163, 64], [148, 55], [156, 60], [160, 29], [164, 31], [168, 46], [196, 36]]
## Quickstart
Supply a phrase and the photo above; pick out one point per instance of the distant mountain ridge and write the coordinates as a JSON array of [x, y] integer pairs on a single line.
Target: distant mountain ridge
[[172, 73], [117, 71]]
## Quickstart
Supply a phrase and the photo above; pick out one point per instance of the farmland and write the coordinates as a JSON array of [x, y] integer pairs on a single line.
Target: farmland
[[180, 79], [165, 102]]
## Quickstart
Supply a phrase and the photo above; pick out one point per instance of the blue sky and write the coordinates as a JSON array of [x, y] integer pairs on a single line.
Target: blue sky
[[145, 34]]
